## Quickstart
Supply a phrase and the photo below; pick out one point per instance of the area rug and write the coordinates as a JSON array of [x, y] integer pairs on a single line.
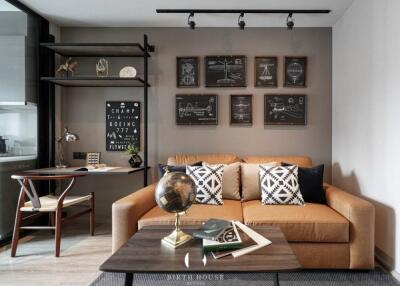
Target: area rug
[[311, 278]]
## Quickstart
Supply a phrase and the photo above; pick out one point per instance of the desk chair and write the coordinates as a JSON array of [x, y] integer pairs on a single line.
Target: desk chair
[[53, 205]]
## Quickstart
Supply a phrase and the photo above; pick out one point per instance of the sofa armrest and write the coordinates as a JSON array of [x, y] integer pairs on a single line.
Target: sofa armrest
[[127, 211], [361, 215]]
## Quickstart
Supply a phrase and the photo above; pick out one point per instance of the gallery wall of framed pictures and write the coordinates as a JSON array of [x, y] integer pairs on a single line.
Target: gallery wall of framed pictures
[[231, 72]]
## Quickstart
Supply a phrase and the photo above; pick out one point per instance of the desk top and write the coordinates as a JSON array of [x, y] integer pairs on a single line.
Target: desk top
[[72, 170], [145, 253]]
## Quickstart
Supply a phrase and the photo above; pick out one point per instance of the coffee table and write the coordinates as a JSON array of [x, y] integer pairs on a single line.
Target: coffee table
[[144, 253]]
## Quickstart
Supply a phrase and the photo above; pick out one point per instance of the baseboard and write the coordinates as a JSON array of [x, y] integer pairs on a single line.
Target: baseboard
[[387, 262]]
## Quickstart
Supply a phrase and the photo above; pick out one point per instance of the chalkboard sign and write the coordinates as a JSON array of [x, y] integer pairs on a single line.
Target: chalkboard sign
[[295, 71], [187, 72], [265, 71], [285, 109], [225, 71], [123, 125], [196, 109], [241, 109]]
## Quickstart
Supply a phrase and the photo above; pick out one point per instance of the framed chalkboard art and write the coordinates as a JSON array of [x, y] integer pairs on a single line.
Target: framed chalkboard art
[[187, 71], [122, 125], [266, 71], [285, 109], [295, 71], [241, 109], [225, 71], [196, 109]]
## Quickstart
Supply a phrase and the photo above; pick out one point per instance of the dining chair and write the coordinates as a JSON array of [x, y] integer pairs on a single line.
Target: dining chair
[[51, 204]]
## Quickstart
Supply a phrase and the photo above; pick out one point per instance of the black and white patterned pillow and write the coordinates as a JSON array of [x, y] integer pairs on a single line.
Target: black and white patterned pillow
[[208, 181], [279, 185]]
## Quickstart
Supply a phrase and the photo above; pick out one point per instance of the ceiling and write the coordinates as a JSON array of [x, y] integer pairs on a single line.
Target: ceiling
[[141, 13], [5, 6]]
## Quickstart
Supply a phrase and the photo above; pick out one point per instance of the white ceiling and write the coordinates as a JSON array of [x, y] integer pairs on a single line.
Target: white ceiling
[[5, 6], [142, 13]]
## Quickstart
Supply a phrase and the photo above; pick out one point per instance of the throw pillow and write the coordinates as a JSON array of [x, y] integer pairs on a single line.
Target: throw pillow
[[279, 186], [208, 180], [177, 168], [251, 189], [230, 181], [311, 182]]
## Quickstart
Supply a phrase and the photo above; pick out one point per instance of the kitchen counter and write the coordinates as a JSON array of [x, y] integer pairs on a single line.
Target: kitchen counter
[[17, 158]]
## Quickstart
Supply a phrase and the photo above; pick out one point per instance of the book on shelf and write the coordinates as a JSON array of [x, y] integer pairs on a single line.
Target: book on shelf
[[212, 229], [229, 239]]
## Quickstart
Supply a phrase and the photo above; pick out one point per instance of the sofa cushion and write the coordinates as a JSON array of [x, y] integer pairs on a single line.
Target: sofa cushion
[[250, 178], [196, 214], [302, 161], [187, 159], [307, 223], [230, 181]]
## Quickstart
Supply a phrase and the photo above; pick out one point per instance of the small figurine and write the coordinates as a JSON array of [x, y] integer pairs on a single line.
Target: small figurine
[[69, 67], [102, 67]]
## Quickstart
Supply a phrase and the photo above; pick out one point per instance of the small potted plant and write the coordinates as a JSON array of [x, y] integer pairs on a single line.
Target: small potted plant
[[135, 161]]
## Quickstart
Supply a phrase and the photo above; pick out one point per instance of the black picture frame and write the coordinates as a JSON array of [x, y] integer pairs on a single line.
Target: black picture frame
[[241, 109], [196, 109], [266, 71], [187, 72], [122, 125], [295, 72], [225, 71], [285, 109]]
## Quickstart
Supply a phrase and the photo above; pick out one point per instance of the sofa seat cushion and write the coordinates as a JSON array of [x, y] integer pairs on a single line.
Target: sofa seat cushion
[[307, 223], [196, 214]]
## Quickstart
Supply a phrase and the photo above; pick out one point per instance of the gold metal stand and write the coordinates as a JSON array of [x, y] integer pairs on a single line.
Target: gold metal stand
[[177, 237]]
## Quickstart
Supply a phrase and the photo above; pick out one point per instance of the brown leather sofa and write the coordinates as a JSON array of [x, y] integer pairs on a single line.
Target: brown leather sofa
[[337, 235]]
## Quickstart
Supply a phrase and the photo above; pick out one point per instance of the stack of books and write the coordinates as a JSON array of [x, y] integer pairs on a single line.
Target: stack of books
[[223, 238]]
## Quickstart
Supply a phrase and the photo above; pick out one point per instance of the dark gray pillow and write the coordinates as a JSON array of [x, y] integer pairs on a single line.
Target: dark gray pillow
[[179, 168]]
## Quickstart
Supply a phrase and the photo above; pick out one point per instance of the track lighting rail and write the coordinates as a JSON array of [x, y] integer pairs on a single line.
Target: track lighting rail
[[246, 11]]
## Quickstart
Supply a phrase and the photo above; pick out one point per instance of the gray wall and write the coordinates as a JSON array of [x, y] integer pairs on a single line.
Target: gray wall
[[366, 118], [83, 109]]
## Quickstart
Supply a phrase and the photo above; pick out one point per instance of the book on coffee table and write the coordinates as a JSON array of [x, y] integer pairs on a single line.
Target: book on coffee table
[[212, 229], [229, 239]]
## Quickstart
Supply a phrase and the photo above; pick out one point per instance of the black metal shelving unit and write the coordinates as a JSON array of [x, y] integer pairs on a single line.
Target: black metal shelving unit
[[128, 50]]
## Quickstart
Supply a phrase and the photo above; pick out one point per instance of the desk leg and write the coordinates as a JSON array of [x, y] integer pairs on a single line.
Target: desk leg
[[128, 279], [276, 279]]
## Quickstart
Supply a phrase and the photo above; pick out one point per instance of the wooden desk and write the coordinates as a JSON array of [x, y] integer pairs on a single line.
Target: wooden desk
[[71, 170]]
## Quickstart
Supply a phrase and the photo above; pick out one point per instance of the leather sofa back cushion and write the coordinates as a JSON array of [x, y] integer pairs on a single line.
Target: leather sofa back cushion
[[188, 159], [250, 177], [301, 161]]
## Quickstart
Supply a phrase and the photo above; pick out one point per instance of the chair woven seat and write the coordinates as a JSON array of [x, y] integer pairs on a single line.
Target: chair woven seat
[[49, 203]]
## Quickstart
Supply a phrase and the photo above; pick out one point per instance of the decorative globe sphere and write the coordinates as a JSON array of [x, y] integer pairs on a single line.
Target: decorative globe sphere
[[175, 192]]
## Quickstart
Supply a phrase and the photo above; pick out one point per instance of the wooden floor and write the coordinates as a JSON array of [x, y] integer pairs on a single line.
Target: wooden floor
[[35, 264]]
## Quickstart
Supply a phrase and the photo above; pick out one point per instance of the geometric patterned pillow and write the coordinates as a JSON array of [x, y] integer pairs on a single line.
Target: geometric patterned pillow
[[208, 180], [280, 186]]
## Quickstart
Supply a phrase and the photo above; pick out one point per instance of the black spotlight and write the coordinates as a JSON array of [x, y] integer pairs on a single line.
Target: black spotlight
[[290, 21], [191, 23], [241, 22]]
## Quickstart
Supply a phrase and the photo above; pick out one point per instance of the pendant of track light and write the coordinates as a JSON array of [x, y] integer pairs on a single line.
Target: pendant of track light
[[290, 21], [241, 22], [191, 22]]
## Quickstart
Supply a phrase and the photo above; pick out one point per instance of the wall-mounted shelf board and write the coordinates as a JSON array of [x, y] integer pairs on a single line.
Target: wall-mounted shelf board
[[88, 81], [97, 49]]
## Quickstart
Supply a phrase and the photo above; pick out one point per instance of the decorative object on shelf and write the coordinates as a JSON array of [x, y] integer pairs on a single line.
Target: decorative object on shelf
[[92, 158], [225, 71], [127, 72], [241, 109], [265, 70], [295, 71], [3, 145], [285, 109], [135, 160], [175, 193], [122, 125], [187, 71], [67, 137], [68, 68], [102, 68], [196, 109]]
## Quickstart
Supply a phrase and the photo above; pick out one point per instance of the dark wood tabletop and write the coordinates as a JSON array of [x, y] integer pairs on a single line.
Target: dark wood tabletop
[[144, 253]]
